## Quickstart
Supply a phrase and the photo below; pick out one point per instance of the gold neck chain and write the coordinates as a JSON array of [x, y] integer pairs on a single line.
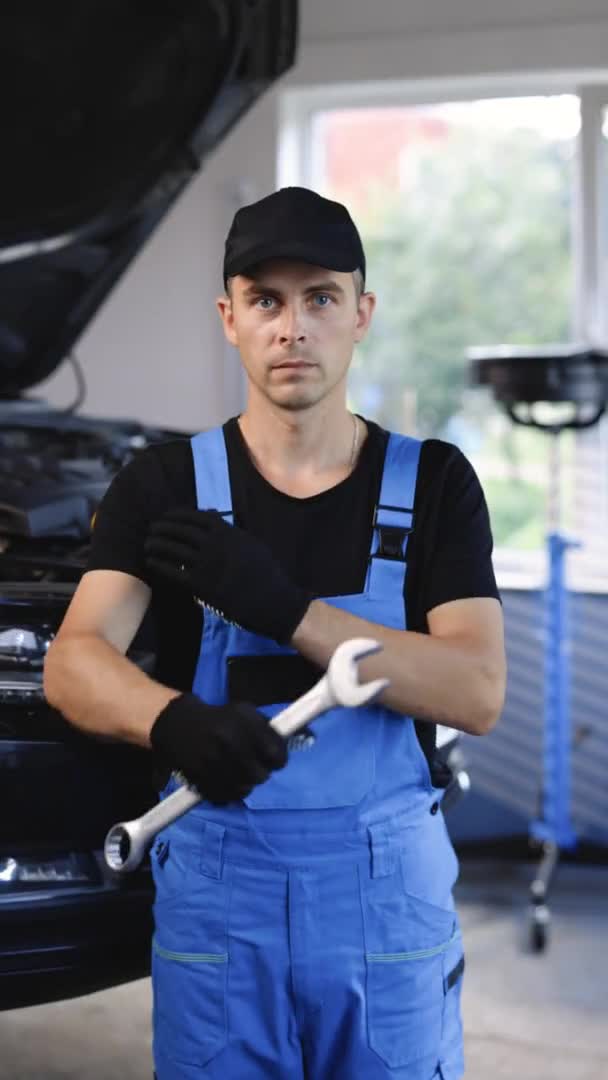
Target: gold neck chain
[[353, 451]]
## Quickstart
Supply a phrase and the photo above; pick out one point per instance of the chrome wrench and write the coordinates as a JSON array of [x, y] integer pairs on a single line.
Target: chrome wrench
[[126, 842]]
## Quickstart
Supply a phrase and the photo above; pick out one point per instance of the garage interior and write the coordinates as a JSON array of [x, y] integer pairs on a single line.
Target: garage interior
[[445, 120]]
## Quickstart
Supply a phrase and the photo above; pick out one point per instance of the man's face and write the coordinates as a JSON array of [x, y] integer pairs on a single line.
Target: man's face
[[295, 326]]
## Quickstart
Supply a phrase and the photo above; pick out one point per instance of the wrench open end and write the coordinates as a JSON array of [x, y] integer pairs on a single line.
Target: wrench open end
[[343, 674], [372, 690]]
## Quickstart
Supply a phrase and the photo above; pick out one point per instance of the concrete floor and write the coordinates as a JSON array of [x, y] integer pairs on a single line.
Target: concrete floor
[[527, 1017]]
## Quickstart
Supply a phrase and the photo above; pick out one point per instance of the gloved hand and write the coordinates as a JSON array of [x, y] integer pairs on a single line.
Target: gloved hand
[[224, 750], [228, 570]]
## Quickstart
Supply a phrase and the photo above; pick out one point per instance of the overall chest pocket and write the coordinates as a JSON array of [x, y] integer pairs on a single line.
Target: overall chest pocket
[[337, 770], [406, 943]]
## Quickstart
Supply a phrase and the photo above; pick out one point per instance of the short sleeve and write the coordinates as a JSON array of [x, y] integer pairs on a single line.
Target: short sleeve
[[459, 560], [159, 477]]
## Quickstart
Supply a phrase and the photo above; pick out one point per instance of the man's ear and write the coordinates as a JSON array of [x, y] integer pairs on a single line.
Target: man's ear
[[224, 307], [365, 310]]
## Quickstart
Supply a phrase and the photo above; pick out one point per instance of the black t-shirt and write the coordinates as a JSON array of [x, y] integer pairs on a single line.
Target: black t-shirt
[[323, 541]]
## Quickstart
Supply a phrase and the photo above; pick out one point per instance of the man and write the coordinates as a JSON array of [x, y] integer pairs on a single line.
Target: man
[[305, 925]]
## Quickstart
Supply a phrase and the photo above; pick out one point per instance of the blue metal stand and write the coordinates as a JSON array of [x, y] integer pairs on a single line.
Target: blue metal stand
[[525, 379], [555, 824], [554, 830]]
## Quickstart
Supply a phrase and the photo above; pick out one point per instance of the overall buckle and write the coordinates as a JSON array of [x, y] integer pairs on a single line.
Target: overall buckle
[[390, 542]]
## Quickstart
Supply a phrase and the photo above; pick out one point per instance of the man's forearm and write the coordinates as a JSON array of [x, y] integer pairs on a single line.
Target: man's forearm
[[100, 691], [447, 682]]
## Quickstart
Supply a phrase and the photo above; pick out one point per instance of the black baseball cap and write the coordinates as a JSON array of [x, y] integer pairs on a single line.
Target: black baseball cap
[[293, 223]]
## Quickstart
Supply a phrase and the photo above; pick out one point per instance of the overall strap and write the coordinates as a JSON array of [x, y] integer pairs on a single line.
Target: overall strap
[[211, 472], [394, 515]]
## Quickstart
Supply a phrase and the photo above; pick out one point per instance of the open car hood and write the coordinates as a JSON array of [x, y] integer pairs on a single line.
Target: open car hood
[[108, 109]]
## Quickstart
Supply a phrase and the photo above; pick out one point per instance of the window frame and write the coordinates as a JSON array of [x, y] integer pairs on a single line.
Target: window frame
[[299, 161]]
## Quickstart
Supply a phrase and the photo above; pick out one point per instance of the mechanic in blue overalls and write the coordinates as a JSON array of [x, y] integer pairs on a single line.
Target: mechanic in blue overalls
[[305, 925]]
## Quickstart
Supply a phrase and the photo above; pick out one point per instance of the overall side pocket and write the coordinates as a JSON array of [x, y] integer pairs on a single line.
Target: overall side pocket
[[405, 942], [452, 1053], [189, 1003], [190, 973]]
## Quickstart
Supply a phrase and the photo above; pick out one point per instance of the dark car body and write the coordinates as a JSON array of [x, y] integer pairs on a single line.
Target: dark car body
[[94, 153]]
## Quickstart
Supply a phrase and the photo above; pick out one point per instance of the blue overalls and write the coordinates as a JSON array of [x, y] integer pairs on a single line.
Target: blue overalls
[[309, 931]]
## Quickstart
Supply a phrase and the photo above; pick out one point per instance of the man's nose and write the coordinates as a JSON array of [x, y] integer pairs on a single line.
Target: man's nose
[[291, 326]]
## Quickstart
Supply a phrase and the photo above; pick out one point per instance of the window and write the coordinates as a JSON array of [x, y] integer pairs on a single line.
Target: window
[[469, 214]]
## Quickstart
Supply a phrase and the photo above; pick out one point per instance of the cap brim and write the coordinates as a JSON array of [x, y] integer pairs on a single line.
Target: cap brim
[[300, 252]]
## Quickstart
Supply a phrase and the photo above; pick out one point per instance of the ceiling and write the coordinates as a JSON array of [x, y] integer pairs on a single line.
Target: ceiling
[[341, 19]]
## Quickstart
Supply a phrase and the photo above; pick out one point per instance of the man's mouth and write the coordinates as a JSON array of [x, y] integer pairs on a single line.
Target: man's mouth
[[294, 364]]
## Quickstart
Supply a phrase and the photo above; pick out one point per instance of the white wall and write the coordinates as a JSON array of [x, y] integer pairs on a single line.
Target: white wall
[[155, 351]]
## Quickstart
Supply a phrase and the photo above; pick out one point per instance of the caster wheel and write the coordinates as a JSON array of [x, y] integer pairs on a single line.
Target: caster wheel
[[538, 928]]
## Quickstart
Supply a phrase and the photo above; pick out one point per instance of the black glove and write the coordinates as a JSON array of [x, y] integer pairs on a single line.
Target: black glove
[[224, 750], [227, 569]]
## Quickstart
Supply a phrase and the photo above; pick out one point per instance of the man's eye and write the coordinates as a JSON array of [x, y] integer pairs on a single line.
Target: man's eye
[[322, 299], [265, 302]]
